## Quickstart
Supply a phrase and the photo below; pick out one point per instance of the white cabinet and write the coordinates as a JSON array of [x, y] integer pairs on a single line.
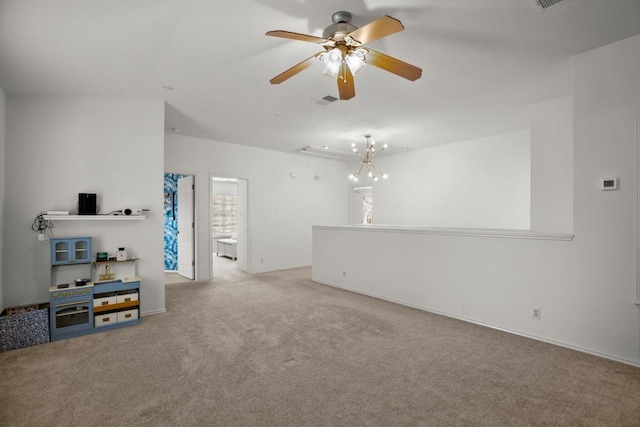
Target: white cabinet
[[228, 248]]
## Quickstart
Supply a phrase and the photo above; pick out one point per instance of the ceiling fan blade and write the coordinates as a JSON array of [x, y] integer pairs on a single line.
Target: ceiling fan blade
[[295, 69], [377, 29], [298, 36], [393, 65], [346, 88]]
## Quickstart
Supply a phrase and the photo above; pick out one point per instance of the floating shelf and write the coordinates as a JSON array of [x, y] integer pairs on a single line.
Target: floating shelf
[[96, 263], [119, 306], [93, 217]]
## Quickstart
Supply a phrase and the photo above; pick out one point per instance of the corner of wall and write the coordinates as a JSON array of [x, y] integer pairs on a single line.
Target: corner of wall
[[3, 133]]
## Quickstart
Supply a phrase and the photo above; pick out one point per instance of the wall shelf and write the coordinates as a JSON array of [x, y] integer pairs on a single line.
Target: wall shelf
[[93, 217]]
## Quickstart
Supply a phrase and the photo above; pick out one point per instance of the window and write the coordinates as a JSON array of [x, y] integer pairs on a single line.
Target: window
[[224, 212]]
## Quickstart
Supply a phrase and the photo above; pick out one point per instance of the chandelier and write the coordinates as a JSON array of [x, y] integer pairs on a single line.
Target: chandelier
[[367, 161]]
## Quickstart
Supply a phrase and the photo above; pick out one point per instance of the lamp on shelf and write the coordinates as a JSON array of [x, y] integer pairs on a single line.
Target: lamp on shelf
[[367, 161]]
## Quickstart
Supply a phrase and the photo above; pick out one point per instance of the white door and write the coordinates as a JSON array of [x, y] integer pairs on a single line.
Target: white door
[[186, 234]]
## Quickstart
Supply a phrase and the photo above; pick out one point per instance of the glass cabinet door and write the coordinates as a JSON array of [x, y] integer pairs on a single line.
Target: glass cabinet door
[[81, 248], [61, 253]]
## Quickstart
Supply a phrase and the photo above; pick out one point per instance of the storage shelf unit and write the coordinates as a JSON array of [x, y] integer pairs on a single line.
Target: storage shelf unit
[[80, 310], [122, 306]]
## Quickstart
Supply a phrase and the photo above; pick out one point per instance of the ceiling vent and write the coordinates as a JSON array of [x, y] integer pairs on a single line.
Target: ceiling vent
[[546, 4], [326, 152], [328, 99]]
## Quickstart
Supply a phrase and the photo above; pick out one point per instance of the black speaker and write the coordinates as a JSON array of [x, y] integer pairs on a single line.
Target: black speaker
[[87, 204]]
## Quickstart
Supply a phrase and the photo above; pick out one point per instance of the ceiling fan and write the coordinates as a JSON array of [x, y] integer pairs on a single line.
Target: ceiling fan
[[345, 55]]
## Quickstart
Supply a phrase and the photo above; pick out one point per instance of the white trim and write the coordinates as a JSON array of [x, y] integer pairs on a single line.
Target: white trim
[[93, 217], [149, 313], [470, 232], [488, 325]]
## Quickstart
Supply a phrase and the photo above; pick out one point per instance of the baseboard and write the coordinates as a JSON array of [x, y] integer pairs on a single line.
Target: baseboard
[[488, 325], [149, 313]]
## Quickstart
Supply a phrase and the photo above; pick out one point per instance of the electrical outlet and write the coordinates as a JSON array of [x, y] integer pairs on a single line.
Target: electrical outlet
[[535, 313]]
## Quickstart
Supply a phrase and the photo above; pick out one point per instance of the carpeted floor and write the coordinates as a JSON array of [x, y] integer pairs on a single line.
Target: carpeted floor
[[279, 350]]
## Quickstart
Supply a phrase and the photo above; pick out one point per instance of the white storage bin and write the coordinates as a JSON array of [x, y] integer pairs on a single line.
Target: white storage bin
[[104, 301], [126, 297], [127, 315], [105, 319]]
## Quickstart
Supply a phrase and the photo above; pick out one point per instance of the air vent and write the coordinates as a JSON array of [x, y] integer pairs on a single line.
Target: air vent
[[546, 4], [328, 99], [324, 152]]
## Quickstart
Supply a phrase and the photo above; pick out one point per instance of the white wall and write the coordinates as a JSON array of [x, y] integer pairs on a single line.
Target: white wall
[[585, 288], [3, 156], [483, 183], [281, 209], [552, 165], [57, 148]]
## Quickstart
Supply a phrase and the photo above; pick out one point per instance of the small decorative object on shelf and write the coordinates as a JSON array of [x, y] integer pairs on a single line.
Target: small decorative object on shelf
[[121, 255], [102, 256]]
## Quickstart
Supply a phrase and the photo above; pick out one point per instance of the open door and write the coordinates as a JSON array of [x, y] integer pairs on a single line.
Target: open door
[[186, 228]]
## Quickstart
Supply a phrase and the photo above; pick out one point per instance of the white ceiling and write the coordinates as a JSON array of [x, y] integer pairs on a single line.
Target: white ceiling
[[484, 62]]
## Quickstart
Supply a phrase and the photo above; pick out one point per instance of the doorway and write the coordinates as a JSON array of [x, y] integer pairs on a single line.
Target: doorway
[[362, 205], [179, 226], [228, 226]]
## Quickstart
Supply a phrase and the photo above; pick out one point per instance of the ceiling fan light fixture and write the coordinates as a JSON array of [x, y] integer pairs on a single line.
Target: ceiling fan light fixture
[[345, 53], [356, 63], [332, 60]]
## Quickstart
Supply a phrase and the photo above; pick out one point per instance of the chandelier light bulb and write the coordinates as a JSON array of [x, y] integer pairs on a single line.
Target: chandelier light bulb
[[370, 174], [385, 176], [352, 177], [375, 178]]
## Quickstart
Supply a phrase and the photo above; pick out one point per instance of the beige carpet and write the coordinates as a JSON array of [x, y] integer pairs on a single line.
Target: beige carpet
[[279, 350]]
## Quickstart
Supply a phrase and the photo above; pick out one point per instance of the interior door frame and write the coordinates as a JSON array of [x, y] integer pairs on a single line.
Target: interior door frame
[[212, 249]]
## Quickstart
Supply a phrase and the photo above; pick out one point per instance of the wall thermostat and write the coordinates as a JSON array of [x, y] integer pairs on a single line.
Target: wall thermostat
[[609, 184]]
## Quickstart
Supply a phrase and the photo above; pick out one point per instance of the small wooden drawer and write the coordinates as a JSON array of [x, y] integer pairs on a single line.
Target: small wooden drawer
[[106, 319], [105, 300], [126, 296], [127, 315]]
